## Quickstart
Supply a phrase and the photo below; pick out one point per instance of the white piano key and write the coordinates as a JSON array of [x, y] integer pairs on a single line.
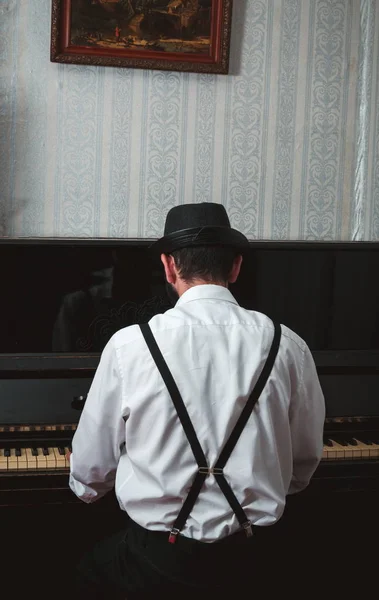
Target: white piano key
[[30, 459], [59, 459], [66, 453], [22, 462], [3, 461], [12, 460], [51, 462], [41, 459]]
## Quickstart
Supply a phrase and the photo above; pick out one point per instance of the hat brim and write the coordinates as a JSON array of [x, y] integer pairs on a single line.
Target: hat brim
[[200, 236]]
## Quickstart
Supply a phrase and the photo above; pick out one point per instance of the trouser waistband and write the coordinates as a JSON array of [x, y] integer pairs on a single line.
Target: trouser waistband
[[238, 539]]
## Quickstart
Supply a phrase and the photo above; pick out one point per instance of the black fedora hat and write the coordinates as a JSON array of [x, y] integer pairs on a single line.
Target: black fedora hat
[[204, 224]]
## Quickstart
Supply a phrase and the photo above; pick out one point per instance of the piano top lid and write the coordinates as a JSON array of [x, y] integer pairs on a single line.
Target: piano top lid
[[256, 244]]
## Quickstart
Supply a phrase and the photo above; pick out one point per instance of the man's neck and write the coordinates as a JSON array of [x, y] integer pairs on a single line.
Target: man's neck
[[183, 286]]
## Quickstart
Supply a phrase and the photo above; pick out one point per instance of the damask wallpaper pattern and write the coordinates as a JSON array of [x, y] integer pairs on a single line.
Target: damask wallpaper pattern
[[288, 142]]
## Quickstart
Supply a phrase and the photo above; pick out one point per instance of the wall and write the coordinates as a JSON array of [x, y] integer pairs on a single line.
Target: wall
[[289, 141]]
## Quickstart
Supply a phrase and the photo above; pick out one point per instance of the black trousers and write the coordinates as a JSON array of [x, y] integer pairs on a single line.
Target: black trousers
[[140, 564]]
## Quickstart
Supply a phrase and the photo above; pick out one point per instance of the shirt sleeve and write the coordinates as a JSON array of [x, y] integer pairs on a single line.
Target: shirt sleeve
[[100, 436], [307, 419]]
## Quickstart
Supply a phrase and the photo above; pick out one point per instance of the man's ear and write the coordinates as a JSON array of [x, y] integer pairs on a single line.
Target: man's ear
[[169, 267], [235, 269]]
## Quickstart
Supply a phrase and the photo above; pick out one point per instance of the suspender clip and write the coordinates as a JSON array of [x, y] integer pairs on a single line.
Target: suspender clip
[[248, 528], [211, 471], [173, 535]]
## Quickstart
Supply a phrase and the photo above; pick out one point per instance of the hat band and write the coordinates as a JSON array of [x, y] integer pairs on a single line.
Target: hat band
[[201, 236]]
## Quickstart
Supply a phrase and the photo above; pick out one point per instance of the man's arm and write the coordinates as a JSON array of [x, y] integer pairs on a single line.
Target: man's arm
[[97, 443], [307, 419]]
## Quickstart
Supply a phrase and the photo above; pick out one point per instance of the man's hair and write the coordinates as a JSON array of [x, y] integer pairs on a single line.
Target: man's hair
[[208, 263]]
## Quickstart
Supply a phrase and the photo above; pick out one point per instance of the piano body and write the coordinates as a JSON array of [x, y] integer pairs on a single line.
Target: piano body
[[62, 300]]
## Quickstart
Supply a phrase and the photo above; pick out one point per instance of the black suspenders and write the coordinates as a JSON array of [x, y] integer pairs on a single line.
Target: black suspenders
[[203, 469]]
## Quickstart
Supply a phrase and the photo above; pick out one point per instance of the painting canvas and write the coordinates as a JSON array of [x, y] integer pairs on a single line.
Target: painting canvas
[[189, 35]]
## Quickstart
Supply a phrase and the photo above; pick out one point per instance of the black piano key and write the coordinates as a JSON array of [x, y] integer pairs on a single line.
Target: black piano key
[[34, 452], [18, 451], [328, 443], [61, 451], [341, 442], [352, 442], [45, 451], [7, 452]]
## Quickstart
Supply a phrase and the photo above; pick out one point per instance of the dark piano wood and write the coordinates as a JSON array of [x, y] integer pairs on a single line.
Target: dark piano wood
[[328, 293]]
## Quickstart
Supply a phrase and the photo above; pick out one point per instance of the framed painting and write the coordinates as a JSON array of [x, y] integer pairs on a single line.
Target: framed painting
[[174, 35]]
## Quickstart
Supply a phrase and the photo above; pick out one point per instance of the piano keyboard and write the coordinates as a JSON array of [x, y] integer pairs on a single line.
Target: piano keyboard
[[54, 458], [353, 448], [36, 459], [36, 428]]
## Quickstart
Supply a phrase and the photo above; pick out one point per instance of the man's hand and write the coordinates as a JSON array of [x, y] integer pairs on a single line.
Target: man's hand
[[67, 456]]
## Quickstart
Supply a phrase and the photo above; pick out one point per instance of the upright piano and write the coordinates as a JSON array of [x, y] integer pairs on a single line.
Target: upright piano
[[61, 301]]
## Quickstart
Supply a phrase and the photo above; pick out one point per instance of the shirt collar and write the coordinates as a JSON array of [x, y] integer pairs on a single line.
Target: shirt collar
[[207, 291]]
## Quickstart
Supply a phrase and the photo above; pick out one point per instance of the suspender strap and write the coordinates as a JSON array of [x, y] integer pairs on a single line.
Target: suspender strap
[[204, 470], [175, 394], [252, 400]]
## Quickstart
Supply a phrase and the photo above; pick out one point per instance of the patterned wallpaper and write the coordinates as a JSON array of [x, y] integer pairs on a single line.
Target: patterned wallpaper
[[288, 142]]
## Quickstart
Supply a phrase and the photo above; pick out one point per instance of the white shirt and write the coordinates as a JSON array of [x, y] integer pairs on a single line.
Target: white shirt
[[129, 434]]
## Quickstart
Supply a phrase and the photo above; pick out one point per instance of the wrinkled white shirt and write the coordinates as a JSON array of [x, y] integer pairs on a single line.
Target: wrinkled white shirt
[[129, 435]]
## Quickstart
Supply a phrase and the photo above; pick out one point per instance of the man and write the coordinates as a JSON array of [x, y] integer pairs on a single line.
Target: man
[[204, 421]]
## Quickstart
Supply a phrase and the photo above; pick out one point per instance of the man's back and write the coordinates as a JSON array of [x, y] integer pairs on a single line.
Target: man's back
[[140, 437], [215, 351]]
